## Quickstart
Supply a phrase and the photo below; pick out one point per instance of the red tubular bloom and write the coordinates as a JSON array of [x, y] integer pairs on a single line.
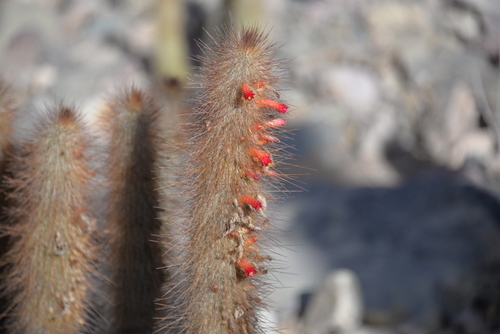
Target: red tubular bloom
[[274, 123], [252, 174], [263, 139], [257, 127], [263, 157], [247, 92], [249, 270], [251, 240], [279, 107], [269, 124], [249, 200]]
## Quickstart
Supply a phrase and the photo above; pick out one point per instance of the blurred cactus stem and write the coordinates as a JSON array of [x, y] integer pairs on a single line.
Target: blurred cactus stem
[[133, 211], [172, 52], [246, 13], [6, 119], [50, 261], [7, 109]]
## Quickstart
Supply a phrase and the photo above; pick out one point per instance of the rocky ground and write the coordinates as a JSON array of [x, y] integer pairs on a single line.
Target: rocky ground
[[397, 111]]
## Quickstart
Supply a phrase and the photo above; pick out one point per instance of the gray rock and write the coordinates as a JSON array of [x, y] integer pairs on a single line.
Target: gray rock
[[337, 306]]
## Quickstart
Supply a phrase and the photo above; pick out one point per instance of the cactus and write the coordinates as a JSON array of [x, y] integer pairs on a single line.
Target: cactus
[[230, 155], [51, 254], [133, 220]]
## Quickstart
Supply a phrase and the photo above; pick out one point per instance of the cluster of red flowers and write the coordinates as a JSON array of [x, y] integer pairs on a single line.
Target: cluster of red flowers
[[261, 161]]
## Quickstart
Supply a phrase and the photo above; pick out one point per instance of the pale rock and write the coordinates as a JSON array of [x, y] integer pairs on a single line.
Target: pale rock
[[354, 87], [392, 22], [453, 135], [474, 145], [465, 23], [45, 76], [336, 306], [460, 115]]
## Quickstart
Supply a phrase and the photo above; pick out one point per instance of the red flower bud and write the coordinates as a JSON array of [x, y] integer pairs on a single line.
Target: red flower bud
[[263, 157], [247, 92], [263, 139], [252, 174], [279, 107], [269, 124], [249, 270], [251, 240], [274, 123], [249, 200]]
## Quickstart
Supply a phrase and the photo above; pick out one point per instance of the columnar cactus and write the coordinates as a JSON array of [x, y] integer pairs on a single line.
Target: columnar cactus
[[49, 264], [133, 214], [231, 153]]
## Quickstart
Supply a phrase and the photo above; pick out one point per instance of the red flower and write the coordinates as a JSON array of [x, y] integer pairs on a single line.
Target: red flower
[[249, 200], [263, 157], [249, 270], [247, 92], [279, 107]]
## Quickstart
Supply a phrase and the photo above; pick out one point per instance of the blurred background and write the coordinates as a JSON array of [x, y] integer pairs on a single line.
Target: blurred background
[[392, 220]]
